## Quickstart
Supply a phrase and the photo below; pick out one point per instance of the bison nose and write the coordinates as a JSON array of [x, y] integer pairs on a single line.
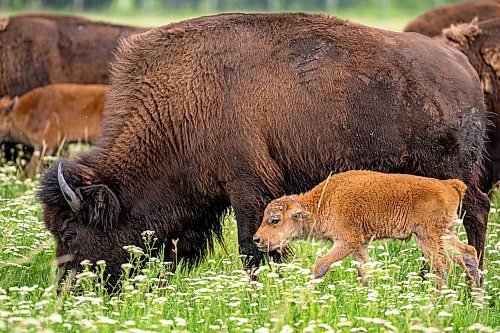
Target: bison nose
[[256, 239]]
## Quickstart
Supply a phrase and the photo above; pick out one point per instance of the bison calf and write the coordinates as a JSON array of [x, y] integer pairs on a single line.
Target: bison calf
[[355, 207], [49, 116]]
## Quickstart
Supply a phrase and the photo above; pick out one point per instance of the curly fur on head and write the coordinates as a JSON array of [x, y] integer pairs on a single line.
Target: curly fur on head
[[461, 33], [492, 57]]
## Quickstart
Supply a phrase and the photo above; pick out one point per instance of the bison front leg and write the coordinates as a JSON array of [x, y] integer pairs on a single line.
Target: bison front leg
[[249, 196], [248, 217]]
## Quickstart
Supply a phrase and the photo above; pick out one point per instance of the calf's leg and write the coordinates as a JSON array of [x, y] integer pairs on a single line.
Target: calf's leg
[[340, 250], [465, 256], [433, 249], [360, 254]]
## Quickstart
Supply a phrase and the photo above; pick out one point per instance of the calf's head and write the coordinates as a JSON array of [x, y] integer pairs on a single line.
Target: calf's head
[[284, 219], [82, 215], [6, 106]]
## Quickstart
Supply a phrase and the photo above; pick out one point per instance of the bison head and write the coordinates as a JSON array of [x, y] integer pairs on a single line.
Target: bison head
[[283, 220], [6, 106], [82, 216]]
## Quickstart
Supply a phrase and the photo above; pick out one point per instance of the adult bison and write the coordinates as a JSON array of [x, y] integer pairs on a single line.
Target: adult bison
[[235, 110], [435, 20], [480, 42], [39, 49]]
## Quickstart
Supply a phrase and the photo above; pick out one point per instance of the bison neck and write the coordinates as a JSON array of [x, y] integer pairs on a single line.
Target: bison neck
[[165, 198]]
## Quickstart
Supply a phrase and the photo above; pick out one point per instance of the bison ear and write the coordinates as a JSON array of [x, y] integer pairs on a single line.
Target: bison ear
[[101, 207], [300, 214]]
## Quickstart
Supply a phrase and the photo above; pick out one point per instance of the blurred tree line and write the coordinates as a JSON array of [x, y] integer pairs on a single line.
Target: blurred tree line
[[218, 5]]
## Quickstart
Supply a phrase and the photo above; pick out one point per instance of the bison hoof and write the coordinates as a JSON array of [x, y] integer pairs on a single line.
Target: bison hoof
[[251, 274]]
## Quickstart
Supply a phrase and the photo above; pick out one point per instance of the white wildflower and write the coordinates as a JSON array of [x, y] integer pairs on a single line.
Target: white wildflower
[[55, 318], [444, 314], [286, 329], [180, 321]]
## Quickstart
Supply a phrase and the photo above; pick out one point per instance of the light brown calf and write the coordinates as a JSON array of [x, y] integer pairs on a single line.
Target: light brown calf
[[51, 115], [355, 207]]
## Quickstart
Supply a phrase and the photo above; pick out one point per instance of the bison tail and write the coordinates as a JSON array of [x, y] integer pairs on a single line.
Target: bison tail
[[461, 33], [458, 185]]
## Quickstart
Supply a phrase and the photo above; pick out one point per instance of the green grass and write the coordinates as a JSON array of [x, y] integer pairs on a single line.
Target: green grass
[[216, 296]]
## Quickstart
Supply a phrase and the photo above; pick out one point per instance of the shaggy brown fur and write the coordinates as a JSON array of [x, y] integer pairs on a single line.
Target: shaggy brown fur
[[355, 207], [480, 42], [48, 116], [239, 109], [39, 49], [435, 20]]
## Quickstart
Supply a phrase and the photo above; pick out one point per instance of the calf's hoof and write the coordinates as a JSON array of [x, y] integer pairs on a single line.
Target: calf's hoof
[[319, 272]]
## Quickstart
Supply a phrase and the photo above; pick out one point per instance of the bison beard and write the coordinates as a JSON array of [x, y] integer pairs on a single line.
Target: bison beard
[[235, 110]]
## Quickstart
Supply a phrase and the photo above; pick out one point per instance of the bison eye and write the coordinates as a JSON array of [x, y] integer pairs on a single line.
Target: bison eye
[[68, 237], [274, 219]]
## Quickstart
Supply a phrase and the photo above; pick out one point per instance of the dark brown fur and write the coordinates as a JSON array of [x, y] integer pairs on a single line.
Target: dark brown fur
[[235, 110], [480, 42], [39, 49], [435, 20]]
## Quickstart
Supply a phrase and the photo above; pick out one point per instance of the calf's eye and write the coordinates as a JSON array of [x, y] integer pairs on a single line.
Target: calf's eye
[[274, 219]]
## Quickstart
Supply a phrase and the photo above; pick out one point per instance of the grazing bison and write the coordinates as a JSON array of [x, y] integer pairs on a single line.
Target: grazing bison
[[239, 109], [480, 42], [355, 207], [39, 49], [435, 20], [49, 116]]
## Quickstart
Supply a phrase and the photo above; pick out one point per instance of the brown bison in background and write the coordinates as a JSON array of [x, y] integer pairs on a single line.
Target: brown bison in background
[[39, 49], [236, 110], [435, 20], [480, 42], [47, 117]]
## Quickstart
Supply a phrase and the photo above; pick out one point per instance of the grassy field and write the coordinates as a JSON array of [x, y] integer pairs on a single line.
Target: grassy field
[[217, 296]]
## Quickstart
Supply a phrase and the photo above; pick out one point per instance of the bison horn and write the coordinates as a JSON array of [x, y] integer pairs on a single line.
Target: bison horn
[[72, 199]]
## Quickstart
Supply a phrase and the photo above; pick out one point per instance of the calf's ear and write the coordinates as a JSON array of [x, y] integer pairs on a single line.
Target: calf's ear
[[300, 214], [100, 206], [12, 104]]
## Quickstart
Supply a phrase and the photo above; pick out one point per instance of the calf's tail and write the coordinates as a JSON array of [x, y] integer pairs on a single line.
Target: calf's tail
[[458, 185]]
